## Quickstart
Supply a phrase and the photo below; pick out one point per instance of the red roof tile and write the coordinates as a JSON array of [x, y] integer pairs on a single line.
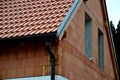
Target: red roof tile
[[28, 17]]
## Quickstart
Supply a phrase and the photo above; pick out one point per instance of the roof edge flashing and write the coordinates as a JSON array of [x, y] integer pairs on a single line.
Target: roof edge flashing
[[64, 25]]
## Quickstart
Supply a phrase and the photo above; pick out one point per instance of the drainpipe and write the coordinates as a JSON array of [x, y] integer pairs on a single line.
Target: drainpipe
[[52, 59]]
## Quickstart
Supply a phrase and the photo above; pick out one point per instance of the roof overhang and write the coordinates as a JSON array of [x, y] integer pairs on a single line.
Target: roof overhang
[[37, 37]]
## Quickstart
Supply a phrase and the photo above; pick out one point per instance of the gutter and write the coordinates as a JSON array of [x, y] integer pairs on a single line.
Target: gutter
[[52, 59]]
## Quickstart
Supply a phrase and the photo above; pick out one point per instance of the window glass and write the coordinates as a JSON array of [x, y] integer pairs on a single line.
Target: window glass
[[88, 36], [100, 49]]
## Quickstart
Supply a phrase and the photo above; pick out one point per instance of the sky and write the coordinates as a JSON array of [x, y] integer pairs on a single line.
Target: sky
[[113, 8]]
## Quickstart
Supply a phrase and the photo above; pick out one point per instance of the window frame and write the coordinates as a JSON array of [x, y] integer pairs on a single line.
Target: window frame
[[101, 49]]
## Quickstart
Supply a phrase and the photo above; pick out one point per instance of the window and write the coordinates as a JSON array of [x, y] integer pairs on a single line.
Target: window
[[88, 36], [100, 49]]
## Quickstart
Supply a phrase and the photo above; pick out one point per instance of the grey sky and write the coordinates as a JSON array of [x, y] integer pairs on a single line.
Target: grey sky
[[113, 7]]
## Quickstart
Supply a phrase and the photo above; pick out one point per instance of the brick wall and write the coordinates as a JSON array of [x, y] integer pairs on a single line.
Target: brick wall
[[24, 60], [31, 59], [73, 64]]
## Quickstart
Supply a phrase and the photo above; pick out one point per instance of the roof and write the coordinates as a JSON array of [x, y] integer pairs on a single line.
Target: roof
[[31, 17]]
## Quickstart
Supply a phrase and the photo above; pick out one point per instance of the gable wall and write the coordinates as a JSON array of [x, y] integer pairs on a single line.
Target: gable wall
[[73, 64], [95, 8]]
